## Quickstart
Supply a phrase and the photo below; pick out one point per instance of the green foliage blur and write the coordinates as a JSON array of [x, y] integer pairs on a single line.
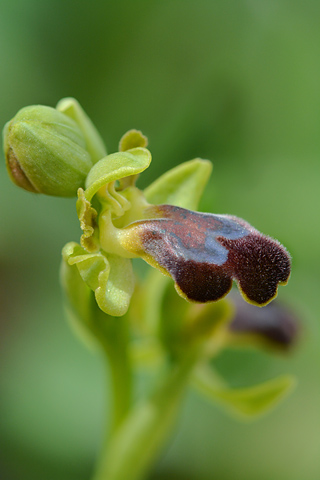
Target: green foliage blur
[[234, 81]]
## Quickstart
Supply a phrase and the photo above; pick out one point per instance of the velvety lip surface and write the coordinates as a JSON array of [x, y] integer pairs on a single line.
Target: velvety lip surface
[[204, 252]]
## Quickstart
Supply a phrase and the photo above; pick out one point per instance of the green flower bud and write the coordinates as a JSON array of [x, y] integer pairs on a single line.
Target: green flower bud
[[46, 152]]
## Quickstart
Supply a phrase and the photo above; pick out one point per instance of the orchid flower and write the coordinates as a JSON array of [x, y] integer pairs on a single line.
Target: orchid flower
[[202, 252]]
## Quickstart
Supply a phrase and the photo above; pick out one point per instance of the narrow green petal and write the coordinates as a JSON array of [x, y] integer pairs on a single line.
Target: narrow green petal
[[95, 145], [182, 186], [87, 216], [246, 403], [116, 166], [132, 139]]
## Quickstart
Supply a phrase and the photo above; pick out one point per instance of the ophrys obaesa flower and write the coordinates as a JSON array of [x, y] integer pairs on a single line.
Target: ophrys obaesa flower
[[202, 252]]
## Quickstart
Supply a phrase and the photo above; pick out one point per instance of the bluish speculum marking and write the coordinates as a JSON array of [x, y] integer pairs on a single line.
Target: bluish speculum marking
[[229, 229], [189, 235]]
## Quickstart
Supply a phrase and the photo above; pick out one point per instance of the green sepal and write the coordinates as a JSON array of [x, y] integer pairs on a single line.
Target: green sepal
[[95, 145], [116, 166], [245, 403], [181, 186], [111, 278], [80, 308]]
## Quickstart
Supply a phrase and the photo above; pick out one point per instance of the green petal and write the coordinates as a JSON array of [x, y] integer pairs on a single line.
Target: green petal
[[94, 142], [116, 166], [248, 402], [182, 186], [110, 278]]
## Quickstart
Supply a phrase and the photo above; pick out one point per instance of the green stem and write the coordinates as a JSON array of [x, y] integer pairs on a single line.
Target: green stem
[[136, 443], [115, 348], [112, 334]]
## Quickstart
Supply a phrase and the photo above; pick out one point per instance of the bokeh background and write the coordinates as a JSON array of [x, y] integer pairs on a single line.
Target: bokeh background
[[235, 81]]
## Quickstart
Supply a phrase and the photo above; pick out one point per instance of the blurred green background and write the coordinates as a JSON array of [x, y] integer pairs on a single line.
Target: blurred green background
[[234, 81]]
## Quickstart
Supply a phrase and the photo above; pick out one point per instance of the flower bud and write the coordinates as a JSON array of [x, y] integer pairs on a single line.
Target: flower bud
[[46, 152]]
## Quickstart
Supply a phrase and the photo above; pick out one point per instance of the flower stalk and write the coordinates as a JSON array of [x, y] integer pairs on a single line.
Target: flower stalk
[[115, 346], [135, 445]]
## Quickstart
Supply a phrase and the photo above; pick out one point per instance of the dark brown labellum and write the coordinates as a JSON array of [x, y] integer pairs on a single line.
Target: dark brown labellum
[[204, 252]]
